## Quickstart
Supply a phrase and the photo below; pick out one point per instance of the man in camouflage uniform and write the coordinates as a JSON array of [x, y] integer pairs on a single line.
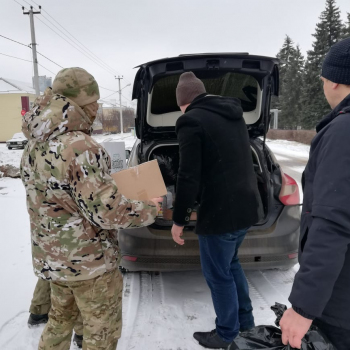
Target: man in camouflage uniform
[[75, 208]]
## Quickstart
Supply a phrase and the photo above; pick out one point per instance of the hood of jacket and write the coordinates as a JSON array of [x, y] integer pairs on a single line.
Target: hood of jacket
[[53, 115], [226, 107]]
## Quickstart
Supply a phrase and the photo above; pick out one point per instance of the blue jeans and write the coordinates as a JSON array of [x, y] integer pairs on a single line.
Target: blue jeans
[[227, 282]]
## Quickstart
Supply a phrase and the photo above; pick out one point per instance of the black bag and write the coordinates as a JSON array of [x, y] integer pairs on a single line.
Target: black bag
[[168, 161], [269, 337]]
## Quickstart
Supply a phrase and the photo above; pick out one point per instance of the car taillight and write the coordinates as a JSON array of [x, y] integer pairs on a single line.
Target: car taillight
[[130, 258], [289, 194]]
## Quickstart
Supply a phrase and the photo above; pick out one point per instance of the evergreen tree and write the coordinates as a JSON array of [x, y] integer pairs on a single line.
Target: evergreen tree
[[328, 31], [346, 29], [285, 55], [291, 78], [291, 101]]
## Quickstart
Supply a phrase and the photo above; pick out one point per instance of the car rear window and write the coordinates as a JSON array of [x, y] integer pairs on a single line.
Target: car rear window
[[231, 84]]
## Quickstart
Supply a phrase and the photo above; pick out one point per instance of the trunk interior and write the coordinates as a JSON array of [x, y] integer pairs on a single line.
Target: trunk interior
[[168, 159]]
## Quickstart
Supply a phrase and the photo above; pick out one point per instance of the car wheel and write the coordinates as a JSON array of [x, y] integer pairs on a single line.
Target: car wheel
[[9, 147]]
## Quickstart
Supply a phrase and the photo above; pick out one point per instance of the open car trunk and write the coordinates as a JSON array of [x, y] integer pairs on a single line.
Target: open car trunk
[[249, 78], [168, 158]]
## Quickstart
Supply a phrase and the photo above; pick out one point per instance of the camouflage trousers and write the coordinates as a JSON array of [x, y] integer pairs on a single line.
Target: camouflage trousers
[[41, 303], [99, 302]]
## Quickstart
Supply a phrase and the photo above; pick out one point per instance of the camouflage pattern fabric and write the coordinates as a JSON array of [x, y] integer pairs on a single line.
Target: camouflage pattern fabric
[[76, 84], [100, 302], [73, 202], [41, 303]]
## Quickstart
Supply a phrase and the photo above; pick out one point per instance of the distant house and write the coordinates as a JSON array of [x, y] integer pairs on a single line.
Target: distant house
[[15, 96]]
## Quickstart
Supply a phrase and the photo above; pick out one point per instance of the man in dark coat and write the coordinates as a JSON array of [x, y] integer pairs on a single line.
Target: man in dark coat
[[216, 168], [321, 290]]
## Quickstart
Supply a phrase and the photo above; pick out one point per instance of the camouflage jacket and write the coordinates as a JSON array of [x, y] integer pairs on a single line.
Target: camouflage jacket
[[73, 203]]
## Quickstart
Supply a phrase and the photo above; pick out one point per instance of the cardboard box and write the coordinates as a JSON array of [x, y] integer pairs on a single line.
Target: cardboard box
[[141, 182]]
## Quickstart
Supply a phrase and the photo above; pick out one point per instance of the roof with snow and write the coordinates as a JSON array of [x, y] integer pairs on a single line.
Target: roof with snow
[[10, 86]]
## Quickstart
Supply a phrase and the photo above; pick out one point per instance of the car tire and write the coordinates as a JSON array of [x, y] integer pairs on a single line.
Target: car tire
[[9, 147]]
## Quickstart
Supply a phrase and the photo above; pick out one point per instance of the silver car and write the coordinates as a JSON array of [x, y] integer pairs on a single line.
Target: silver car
[[18, 140], [270, 243]]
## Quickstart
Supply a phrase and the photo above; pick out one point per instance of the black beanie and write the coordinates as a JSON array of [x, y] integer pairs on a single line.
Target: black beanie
[[188, 88], [336, 66]]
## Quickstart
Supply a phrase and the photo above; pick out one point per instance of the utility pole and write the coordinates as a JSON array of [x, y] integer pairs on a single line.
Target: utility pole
[[31, 14], [120, 104]]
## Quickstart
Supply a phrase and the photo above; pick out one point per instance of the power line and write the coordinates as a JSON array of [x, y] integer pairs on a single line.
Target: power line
[[113, 104], [49, 59], [106, 88], [18, 3], [81, 47], [78, 49], [22, 59], [25, 2], [15, 41], [46, 69], [77, 40], [126, 98], [109, 95], [29, 46]]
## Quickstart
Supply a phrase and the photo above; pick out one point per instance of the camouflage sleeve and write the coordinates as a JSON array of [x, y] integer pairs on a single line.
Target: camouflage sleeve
[[97, 197]]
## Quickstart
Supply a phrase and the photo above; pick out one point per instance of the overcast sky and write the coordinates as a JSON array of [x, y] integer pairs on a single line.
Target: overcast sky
[[125, 33]]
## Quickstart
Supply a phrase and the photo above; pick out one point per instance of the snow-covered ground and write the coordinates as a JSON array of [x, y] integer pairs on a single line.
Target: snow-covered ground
[[11, 157], [160, 310]]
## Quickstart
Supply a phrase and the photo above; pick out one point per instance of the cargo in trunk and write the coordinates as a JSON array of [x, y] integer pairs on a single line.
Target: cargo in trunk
[[168, 158]]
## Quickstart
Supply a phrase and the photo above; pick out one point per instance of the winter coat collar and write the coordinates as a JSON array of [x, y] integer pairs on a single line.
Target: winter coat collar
[[54, 115], [226, 107], [343, 107]]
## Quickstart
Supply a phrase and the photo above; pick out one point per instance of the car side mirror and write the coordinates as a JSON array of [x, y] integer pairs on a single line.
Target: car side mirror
[[127, 153]]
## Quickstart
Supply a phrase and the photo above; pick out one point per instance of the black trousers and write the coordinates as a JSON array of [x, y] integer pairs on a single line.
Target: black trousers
[[339, 337]]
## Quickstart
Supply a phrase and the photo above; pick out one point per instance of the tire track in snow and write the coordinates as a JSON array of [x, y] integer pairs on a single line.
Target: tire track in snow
[[268, 287], [259, 303], [145, 293]]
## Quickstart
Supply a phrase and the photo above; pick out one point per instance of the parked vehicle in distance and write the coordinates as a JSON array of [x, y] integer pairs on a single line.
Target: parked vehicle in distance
[[270, 243], [18, 140]]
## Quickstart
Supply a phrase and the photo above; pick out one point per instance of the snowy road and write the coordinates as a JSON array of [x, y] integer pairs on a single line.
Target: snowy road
[[160, 310]]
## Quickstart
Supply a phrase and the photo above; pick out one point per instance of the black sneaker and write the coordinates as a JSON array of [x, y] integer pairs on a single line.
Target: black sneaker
[[36, 320], [211, 340], [78, 340]]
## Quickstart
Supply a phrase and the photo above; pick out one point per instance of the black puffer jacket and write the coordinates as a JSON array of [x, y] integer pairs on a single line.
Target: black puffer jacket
[[322, 285], [215, 165]]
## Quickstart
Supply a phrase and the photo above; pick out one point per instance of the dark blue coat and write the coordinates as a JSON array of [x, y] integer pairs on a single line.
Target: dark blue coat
[[322, 285]]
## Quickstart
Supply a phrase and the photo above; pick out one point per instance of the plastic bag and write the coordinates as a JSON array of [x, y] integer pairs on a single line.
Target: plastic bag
[[168, 161], [269, 337]]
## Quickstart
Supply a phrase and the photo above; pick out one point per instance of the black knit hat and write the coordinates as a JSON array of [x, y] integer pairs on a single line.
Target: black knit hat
[[188, 88], [336, 66]]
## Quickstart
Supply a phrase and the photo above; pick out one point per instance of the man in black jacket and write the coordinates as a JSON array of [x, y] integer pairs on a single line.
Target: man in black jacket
[[321, 290], [216, 168]]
